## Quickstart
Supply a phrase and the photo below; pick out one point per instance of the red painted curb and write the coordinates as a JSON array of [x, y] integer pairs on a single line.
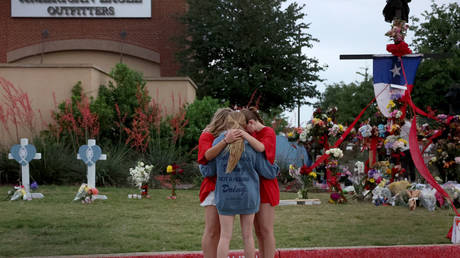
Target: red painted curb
[[411, 251]]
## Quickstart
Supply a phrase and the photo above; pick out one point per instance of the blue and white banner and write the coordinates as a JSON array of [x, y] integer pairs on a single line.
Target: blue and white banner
[[389, 77]]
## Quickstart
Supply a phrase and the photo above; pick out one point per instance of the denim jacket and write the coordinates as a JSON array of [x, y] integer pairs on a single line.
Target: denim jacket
[[238, 192]]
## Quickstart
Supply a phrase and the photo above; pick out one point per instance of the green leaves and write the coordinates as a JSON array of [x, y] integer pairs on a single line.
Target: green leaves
[[232, 48], [439, 33]]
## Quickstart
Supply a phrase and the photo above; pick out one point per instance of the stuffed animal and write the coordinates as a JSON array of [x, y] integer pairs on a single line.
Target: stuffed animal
[[413, 197], [397, 187]]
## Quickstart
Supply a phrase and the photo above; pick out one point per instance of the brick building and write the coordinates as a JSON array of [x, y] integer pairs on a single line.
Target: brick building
[[47, 46]]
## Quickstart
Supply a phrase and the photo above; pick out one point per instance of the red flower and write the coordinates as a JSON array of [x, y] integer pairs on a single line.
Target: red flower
[[399, 49], [304, 170]]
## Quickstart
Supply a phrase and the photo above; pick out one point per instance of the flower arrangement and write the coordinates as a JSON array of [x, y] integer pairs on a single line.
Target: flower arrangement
[[85, 194], [447, 149], [398, 30], [365, 130], [139, 177], [17, 193], [293, 134], [397, 33], [173, 170], [395, 106], [333, 173], [304, 177], [335, 152], [395, 144]]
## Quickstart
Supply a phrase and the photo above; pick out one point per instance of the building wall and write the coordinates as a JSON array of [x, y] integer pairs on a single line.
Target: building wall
[[48, 85], [106, 61], [151, 33]]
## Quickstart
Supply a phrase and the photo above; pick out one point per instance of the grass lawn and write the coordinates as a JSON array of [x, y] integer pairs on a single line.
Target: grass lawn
[[57, 226]]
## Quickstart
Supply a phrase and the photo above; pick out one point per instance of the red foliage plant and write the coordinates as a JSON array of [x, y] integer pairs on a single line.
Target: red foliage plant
[[16, 109], [80, 126], [178, 121]]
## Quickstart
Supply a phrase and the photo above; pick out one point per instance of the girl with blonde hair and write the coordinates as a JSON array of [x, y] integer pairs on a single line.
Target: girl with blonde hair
[[237, 186], [208, 152]]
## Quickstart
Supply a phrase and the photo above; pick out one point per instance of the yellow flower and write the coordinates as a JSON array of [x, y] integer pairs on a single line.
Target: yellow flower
[[403, 141], [313, 174], [329, 119], [341, 127], [290, 134], [388, 171], [391, 104], [169, 169], [372, 180], [291, 167]]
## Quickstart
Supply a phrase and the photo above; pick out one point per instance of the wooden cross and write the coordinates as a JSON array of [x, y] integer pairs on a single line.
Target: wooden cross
[[24, 153]]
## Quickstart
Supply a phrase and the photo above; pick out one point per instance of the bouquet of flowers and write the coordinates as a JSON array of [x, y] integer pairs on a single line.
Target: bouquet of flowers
[[85, 194], [304, 177], [294, 133], [332, 174], [395, 106], [174, 170], [395, 144], [140, 175], [335, 153], [398, 30], [17, 193]]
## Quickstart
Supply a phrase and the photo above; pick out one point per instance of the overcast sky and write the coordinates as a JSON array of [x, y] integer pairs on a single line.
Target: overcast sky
[[348, 27]]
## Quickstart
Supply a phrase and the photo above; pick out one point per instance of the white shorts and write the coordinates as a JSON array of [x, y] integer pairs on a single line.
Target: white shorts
[[210, 200]]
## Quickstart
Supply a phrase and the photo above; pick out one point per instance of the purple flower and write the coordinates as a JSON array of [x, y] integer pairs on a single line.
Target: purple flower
[[34, 185], [335, 196], [371, 173], [395, 96]]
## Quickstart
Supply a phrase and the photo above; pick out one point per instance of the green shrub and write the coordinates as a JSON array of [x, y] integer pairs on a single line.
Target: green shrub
[[58, 164], [122, 93], [199, 114], [115, 170]]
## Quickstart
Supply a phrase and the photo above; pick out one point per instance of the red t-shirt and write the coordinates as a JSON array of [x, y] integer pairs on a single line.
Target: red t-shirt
[[269, 189], [209, 183]]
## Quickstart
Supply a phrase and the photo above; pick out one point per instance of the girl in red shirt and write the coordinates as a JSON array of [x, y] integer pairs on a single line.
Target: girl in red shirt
[[263, 139], [207, 152]]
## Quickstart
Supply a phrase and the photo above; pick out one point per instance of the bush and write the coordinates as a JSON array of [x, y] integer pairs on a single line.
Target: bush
[[199, 114]]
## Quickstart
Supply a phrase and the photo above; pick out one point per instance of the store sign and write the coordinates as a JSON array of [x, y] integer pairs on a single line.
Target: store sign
[[82, 8]]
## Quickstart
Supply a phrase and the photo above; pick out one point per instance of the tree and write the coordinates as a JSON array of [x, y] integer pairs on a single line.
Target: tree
[[439, 33], [234, 48], [349, 99]]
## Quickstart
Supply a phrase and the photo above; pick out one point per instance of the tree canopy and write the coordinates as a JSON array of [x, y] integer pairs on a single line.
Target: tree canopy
[[349, 99], [234, 48], [440, 34]]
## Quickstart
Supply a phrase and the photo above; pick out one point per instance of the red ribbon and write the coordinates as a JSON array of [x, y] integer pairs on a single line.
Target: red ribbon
[[415, 151], [345, 134]]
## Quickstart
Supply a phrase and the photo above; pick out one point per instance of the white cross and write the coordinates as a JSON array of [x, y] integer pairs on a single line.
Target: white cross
[[91, 175], [25, 168]]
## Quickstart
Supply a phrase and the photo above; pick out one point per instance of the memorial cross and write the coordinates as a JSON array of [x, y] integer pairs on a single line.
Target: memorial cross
[[23, 153], [90, 154]]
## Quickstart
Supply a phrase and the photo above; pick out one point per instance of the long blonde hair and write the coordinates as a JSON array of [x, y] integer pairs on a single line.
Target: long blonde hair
[[235, 120], [217, 124]]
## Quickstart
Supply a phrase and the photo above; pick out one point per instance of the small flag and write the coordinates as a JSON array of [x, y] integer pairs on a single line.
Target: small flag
[[389, 77]]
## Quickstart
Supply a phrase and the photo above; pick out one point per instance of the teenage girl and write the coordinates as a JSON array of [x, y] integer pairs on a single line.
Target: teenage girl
[[207, 152], [237, 187], [263, 139]]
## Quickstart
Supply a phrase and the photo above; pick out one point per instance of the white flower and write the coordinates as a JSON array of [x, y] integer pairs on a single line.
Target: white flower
[[140, 174], [303, 136]]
